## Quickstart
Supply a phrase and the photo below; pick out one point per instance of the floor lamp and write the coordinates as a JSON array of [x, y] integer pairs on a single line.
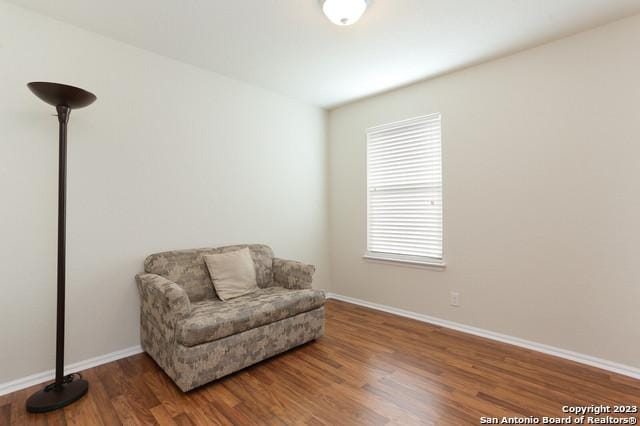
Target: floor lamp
[[65, 389]]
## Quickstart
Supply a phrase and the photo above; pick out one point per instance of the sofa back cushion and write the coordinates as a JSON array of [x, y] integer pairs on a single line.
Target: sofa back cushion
[[187, 268]]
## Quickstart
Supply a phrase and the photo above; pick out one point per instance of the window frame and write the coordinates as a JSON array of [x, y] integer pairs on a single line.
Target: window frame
[[397, 258]]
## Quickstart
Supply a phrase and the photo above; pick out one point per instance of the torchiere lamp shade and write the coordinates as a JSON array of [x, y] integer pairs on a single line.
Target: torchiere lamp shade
[[60, 94]]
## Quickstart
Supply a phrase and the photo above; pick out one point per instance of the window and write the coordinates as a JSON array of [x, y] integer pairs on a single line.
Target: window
[[404, 191]]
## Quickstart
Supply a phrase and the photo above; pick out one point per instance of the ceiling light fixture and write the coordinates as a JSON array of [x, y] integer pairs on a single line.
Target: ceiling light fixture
[[344, 12]]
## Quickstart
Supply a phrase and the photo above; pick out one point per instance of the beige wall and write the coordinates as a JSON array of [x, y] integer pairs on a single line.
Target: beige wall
[[541, 203], [168, 157]]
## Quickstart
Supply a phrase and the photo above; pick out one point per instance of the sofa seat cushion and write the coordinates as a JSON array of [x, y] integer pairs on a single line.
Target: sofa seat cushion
[[214, 319]]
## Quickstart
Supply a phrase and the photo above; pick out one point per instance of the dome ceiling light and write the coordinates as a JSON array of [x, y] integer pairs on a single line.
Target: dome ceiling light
[[344, 12]]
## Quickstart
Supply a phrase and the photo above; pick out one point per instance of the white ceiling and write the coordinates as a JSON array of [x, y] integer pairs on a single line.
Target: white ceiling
[[288, 46]]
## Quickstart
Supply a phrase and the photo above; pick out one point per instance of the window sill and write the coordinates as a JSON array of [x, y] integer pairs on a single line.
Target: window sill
[[436, 265]]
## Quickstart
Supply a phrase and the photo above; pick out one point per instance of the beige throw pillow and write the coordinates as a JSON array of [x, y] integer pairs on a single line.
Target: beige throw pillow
[[233, 273]]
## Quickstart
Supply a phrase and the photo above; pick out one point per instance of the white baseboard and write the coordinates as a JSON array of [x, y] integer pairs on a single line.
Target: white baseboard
[[539, 347], [45, 376]]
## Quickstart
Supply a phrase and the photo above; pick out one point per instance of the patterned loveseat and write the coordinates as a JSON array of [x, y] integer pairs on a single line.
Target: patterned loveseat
[[196, 338]]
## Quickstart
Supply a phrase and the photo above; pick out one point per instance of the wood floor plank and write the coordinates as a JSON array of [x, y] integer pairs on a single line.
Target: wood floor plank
[[19, 414], [83, 413], [125, 412], [183, 420], [7, 399], [112, 379], [162, 416], [201, 412], [57, 418], [370, 368], [165, 391], [217, 392], [5, 414]]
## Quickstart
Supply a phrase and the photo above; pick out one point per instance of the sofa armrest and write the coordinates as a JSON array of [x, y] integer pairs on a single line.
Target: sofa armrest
[[291, 274], [163, 302]]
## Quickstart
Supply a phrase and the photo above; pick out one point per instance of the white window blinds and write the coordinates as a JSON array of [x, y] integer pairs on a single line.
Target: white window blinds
[[404, 190]]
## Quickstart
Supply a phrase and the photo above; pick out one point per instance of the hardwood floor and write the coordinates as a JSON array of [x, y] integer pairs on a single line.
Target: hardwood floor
[[369, 368]]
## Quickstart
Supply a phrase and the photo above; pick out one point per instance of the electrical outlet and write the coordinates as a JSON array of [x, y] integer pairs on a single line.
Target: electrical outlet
[[455, 298]]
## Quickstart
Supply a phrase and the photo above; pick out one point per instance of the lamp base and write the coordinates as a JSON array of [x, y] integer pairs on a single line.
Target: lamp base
[[57, 397]]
